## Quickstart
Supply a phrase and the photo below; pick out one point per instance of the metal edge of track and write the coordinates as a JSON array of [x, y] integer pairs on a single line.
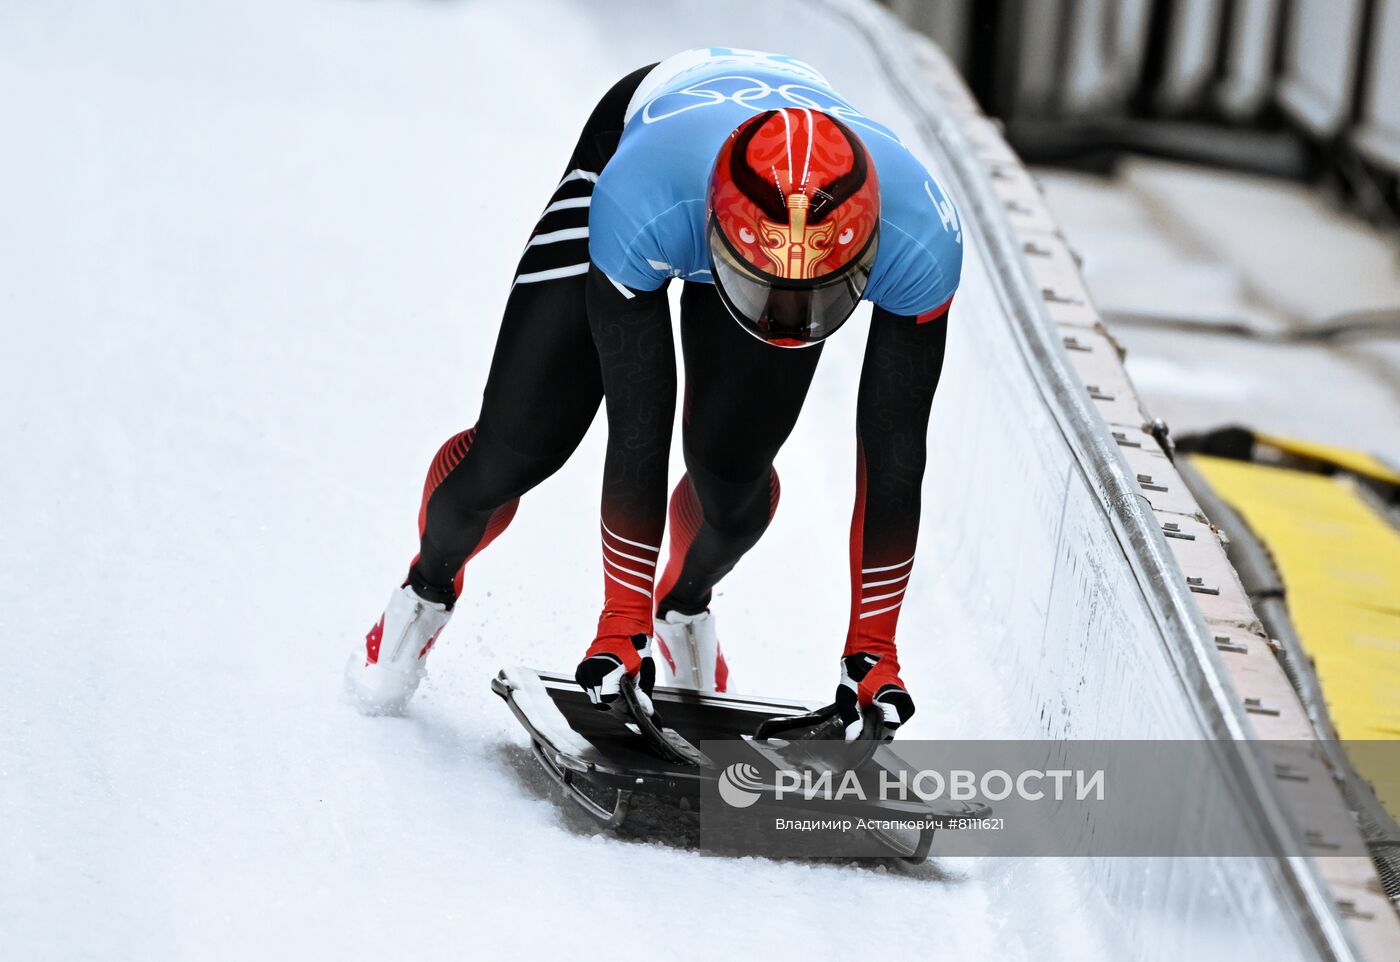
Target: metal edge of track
[[1183, 626]]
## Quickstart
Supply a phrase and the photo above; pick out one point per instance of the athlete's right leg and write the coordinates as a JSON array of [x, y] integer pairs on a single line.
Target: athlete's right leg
[[544, 387], [541, 396], [542, 393], [545, 382]]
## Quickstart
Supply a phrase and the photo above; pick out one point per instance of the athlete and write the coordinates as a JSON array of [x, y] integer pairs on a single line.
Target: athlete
[[779, 206]]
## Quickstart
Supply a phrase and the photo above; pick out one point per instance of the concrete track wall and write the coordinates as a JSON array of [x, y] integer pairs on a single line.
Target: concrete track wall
[[1098, 635]]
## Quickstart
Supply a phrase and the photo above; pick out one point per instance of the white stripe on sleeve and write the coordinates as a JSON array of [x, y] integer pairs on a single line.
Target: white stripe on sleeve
[[579, 174], [555, 236], [568, 203], [552, 274]]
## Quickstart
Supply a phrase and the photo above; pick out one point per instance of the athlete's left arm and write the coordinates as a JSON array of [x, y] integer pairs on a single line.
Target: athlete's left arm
[[903, 363]]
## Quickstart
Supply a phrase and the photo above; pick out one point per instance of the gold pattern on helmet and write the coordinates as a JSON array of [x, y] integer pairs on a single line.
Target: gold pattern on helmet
[[794, 215]]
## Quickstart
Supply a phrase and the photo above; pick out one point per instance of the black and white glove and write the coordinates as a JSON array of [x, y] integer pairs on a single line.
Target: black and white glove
[[610, 659], [871, 680]]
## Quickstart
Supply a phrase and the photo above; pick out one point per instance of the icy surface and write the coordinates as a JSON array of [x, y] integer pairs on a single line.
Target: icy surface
[[1163, 241], [252, 258]]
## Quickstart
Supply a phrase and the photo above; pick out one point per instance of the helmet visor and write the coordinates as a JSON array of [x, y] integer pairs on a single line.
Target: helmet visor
[[782, 311]]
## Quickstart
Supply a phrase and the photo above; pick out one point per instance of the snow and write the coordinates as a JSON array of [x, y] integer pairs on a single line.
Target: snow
[[1163, 241], [252, 258]]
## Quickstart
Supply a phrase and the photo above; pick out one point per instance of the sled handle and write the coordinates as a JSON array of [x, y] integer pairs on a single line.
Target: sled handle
[[565, 779], [671, 748]]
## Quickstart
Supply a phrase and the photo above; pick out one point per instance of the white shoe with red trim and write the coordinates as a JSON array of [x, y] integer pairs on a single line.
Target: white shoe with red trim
[[383, 674], [690, 651]]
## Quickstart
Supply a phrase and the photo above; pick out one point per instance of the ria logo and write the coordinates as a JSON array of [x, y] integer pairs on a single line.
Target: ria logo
[[740, 785]]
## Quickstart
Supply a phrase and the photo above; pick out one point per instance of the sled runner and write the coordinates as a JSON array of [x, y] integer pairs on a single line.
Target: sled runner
[[602, 759]]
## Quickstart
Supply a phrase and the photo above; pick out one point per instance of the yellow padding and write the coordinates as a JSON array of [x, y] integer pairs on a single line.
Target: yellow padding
[[1340, 563], [1357, 462]]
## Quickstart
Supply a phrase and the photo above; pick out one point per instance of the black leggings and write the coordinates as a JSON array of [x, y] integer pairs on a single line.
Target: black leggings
[[742, 398]]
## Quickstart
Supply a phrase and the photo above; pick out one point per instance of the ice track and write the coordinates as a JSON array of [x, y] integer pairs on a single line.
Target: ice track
[[251, 263]]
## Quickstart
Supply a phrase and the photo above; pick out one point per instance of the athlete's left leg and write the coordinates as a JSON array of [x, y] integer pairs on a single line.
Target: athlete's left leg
[[742, 398]]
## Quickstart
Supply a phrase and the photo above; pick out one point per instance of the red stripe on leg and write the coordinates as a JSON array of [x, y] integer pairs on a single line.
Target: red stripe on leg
[[686, 518], [453, 450], [500, 520]]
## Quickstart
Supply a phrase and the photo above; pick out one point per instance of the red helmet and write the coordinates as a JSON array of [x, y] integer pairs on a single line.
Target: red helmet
[[794, 222]]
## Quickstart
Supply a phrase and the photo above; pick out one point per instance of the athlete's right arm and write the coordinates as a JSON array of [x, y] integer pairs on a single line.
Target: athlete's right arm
[[631, 321], [636, 356]]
